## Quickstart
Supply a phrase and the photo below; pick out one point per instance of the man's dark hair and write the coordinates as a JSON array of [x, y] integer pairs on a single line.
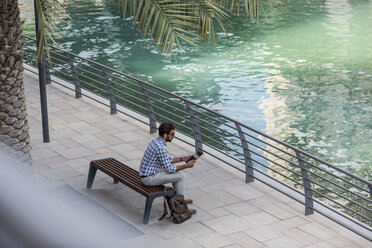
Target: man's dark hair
[[166, 128]]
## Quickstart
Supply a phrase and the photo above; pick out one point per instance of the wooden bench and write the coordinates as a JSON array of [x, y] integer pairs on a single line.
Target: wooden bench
[[128, 176]]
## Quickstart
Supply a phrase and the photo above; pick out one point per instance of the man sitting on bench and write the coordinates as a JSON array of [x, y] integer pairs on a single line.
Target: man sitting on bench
[[156, 166]]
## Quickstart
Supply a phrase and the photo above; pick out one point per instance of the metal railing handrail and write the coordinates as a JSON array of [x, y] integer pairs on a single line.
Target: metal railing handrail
[[118, 86]]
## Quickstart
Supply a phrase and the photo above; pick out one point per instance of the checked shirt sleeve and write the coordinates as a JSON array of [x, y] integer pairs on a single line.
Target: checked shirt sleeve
[[166, 160]]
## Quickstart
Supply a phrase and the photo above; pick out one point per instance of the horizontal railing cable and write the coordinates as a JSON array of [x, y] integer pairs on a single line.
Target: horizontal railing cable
[[339, 186], [342, 179], [334, 192], [341, 205]]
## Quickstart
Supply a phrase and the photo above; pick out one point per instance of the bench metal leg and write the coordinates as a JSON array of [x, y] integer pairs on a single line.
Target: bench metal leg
[[148, 206], [91, 175]]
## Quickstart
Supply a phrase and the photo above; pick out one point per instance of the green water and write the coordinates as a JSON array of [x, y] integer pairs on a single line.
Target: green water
[[302, 75]]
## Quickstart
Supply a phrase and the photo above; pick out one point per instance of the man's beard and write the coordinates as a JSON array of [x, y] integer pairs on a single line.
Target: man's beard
[[168, 140]]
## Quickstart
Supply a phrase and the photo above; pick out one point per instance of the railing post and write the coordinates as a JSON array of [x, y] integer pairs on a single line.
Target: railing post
[[309, 204], [195, 127], [150, 109], [111, 93], [249, 177], [370, 190], [75, 76]]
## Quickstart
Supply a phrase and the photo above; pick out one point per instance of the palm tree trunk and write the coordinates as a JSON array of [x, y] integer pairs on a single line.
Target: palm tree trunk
[[14, 129]]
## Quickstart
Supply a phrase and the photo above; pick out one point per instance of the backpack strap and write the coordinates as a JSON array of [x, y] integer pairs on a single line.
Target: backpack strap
[[165, 203]]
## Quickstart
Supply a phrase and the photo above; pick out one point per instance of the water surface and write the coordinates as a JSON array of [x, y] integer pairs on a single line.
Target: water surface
[[303, 74]]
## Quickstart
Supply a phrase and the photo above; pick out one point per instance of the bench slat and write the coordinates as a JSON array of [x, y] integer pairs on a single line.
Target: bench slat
[[136, 178]]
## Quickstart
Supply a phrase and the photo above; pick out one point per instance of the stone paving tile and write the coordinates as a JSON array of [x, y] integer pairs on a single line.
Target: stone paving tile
[[102, 150], [78, 124], [213, 240], [194, 182], [40, 154], [123, 148], [58, 126], [263, 233], [339, 242], [225, 197], [318, 231], [69, 143], [79, 162], [262, 201], [244, 193], [147, 240], [128, 136], [203, 200], [50, 160], [242, 208], [301, 237], [221, 173], [352, 246], [73, 153], [111, 140], [320, 245], [206, 176], [195, 229], [260, 218], [218, 212], [58, 173], [228, 224], [179, 242], [232, 246], [84, 138], [361, 242], [278, 211], [243, 240], [212, 187], [289, 223], [169, 234], [282, 242], [136, 154]]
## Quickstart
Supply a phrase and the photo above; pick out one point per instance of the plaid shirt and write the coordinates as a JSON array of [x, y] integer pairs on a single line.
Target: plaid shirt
[[156, 158]]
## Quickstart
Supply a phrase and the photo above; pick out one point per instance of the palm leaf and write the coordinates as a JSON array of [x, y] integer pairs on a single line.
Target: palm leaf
[[166, 22], [49, 13], [250, 7]]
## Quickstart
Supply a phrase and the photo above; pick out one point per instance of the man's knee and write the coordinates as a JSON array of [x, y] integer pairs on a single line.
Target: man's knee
[[179, 175]]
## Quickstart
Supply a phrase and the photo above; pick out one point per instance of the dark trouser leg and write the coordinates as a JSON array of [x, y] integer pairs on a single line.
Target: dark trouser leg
[[148, 206], [115, 181], [91, 175]]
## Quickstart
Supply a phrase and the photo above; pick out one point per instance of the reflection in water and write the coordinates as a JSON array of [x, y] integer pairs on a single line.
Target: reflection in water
[[303, 74]]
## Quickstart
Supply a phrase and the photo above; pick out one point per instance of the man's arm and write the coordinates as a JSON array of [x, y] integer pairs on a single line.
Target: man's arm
[[189, 164], [166, 160]]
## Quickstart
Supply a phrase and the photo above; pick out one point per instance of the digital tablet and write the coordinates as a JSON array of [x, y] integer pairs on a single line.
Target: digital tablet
[[195, 156]]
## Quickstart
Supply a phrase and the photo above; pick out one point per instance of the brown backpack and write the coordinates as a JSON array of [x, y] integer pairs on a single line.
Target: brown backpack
[[178, 208]]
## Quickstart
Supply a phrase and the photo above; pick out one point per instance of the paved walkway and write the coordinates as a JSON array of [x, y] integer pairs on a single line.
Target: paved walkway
[[230, 212]]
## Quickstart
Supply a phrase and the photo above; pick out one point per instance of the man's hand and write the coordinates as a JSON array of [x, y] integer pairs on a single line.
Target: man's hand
[[185, 158], [190, 164]]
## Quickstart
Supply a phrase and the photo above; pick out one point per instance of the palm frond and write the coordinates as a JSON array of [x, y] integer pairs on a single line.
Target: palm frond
[[208, 11], [251, 8], [50, 12], [166, 22]]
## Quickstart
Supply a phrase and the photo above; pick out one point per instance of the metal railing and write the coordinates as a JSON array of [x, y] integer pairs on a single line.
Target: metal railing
[[317, 184]]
